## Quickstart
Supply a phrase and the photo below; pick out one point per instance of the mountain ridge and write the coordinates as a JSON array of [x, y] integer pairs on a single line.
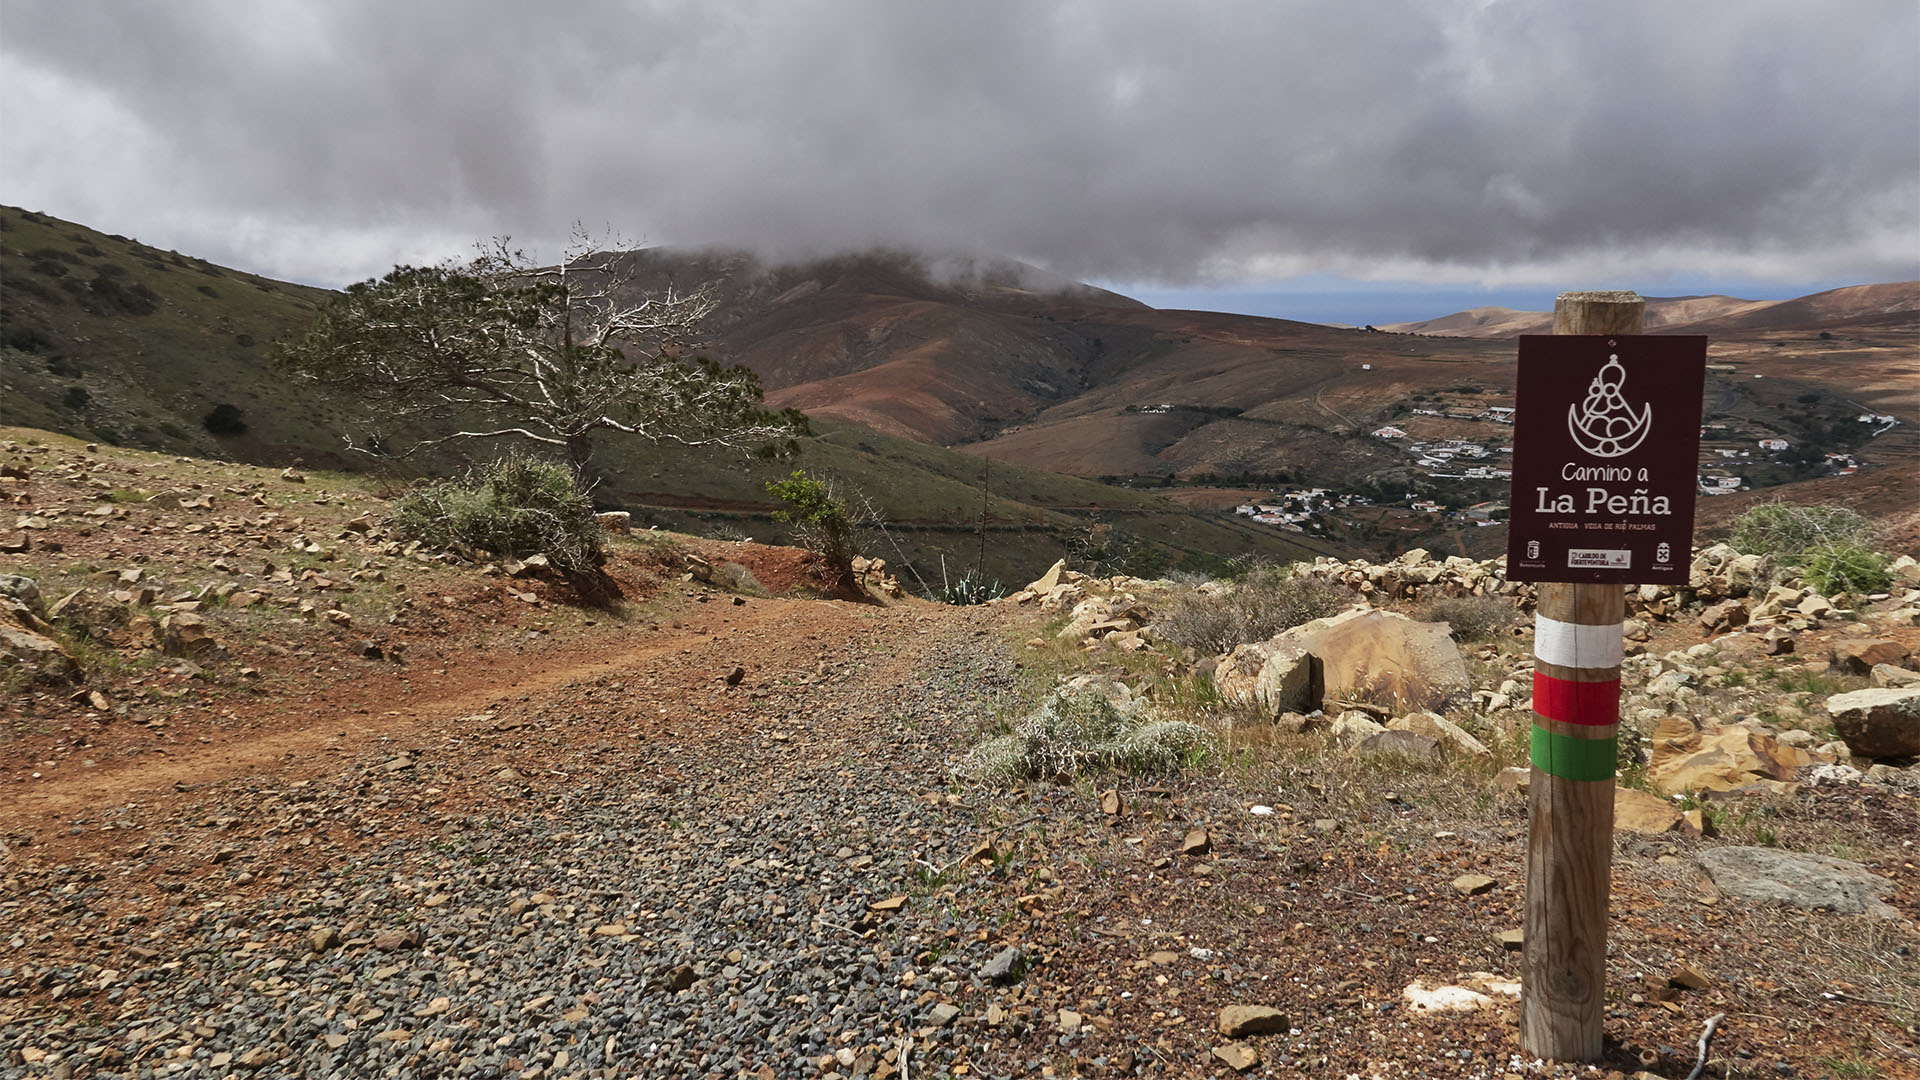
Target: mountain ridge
[[918, 368], [143, 359], [1696, 314]]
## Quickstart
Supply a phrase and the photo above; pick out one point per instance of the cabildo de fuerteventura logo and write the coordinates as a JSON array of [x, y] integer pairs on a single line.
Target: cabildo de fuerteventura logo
[[1604, 425]]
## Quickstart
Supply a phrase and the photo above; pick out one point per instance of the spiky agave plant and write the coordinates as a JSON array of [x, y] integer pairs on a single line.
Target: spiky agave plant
[[1078, 730]]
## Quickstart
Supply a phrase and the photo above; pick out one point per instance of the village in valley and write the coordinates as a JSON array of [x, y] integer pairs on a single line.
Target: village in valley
[[1462, 456]]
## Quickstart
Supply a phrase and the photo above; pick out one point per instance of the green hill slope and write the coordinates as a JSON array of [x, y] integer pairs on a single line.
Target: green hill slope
[[931, 500], [108, 338]]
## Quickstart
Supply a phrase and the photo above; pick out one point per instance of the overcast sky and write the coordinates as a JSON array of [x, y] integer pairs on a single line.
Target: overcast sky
[[1190, 150]]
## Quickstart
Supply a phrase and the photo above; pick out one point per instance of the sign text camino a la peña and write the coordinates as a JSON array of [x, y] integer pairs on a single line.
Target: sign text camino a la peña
[[1606, 455]]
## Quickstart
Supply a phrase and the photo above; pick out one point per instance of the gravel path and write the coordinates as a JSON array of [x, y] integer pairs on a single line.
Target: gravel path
[[648, 872], [730, 846]]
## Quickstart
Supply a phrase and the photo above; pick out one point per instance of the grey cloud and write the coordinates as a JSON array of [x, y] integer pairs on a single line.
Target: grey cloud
[[1445, 140]]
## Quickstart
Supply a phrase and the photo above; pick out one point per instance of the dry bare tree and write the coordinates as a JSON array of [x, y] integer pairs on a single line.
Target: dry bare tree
[[505, 348]]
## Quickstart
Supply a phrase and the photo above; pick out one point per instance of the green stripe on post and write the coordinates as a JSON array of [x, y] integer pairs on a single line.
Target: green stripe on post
[[1573, 759]]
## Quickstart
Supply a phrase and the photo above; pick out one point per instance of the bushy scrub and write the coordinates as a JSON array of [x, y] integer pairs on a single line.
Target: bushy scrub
[[823, 518], [1470, 618], [1081, 731], [516, 506], [1832, 546], [1847, 569], [1263, 602]]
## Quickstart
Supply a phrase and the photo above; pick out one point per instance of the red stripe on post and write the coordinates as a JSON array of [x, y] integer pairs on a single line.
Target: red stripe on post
[[1586, 703]]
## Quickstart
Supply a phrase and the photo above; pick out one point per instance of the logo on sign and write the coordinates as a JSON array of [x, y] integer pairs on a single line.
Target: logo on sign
[[1663, 552], [1604, 425], [1533, 549], [1599, 559]]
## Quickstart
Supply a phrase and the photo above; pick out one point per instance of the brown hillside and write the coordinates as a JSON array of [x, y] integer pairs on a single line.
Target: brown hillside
[[1898, 300], [1487, 322], [1887, 304]]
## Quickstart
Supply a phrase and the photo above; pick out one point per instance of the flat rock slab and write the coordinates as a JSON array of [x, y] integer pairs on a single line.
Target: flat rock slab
[[1239, 1020], [1643, 812], [1797, 879]]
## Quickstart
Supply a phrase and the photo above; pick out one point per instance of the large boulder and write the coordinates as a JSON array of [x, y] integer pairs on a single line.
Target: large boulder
[[1732, 758], [1452, 737], [1643, 812], [1861, 655], [1277, 680], [1236, 674], [1354, 726], [1797, 879], [1382, 654], [185, 634], [1049, 580], [1884, 675], [1085, 615], [27, 641], [1906, 570], [1881, 722], [1406, 744], [1290, 681], [1742, 571], [1723, 616], [21, 593], [39, 656], [1779, 600]]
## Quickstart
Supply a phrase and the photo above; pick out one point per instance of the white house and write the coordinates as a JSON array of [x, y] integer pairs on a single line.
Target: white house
[[1389, 433], [1773, 444]]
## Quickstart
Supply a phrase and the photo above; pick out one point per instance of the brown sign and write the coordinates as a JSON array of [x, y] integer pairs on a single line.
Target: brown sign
[[1606, 458]]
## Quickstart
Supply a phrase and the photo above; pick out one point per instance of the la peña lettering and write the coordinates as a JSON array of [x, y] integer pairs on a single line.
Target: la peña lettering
[[1602, 501]]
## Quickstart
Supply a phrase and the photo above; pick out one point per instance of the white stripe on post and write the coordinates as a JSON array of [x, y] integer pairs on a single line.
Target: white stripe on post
[[1577, 645]]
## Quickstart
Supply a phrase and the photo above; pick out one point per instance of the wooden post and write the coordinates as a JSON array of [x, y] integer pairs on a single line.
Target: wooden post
[[1576, 692]]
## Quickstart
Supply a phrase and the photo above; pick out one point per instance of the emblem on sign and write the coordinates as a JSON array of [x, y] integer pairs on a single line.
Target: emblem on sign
[[1604, 425]]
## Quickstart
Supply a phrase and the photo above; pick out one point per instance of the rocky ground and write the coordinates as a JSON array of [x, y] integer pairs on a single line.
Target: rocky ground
[[707, 832]]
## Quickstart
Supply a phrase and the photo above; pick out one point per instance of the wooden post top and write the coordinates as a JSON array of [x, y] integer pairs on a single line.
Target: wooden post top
[[1599, 296], [1601, 312]]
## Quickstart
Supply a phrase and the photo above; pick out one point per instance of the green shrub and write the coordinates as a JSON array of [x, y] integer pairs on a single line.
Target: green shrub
[[1266, 600], [1469, 618], [822, 518], [1078, 731], [27, 285], [24, 338], [1831, 546], [76, 398], [1791, 531], [515, 507], [1849, 568], [107, 295], [224, 418]]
